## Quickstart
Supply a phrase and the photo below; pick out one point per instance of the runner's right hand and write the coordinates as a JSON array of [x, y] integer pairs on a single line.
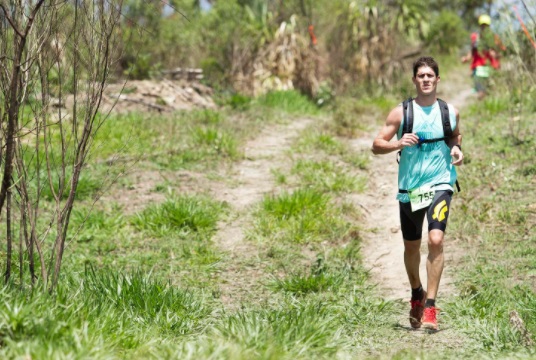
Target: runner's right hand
[[408, 140]]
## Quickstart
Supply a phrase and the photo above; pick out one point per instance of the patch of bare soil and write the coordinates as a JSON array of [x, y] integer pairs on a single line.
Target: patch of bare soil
[[141, 188], [156, 96]]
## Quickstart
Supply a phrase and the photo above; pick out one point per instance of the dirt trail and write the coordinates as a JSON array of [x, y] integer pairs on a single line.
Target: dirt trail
[[252, 179], [382, 249]]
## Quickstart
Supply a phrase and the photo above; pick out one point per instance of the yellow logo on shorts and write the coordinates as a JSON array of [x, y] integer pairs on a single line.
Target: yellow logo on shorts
[[440, 210]]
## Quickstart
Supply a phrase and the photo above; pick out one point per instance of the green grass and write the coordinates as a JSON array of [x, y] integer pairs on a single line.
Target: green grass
[[88, 187], [312, 140], [97, 315], [291, 102], [164, 239], [293, 217], [155, 276], [494, 220], [322, 277], [335, 166], [326, 176], [307, 283], [90, 224], [352, 118], [324, 143], [291, 330], [182, 215], [186, 140], [216, 142]]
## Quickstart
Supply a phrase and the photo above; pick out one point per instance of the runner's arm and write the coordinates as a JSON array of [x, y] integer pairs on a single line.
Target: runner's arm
[[467, 57], [455, 143], [382, 143]]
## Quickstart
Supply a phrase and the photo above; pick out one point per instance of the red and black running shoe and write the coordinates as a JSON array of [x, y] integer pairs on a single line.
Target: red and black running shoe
[[416, 312], [429, 318]]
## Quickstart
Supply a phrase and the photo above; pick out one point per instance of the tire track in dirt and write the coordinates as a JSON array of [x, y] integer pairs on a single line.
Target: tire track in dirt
[[242, 272]]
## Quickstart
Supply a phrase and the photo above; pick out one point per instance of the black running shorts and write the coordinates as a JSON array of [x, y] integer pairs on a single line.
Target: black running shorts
[[437, 214]]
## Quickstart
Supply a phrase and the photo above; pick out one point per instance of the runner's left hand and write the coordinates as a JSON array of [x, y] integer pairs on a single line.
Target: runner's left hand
[[457, 156]]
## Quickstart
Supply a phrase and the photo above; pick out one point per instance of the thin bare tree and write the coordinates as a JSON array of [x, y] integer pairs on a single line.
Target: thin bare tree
[[56, 59]]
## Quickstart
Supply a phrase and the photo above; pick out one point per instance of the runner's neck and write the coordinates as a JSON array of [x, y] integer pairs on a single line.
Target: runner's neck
[[424, 101]]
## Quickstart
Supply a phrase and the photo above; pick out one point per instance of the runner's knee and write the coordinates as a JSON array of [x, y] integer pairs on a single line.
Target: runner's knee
[[412, 246], [435, 239]]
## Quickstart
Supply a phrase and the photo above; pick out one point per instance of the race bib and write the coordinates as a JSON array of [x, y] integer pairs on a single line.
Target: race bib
[[421, 197], [483, 71]]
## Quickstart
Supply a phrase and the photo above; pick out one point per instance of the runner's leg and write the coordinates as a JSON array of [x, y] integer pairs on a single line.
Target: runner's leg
[[435, 261], [412, 260], [411, 225], [437, 215]]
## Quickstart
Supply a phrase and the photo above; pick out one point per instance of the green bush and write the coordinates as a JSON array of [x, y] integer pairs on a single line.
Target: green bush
[[447, 33], [240, 102]]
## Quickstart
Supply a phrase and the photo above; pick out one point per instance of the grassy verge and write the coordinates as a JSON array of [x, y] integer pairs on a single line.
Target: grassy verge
[[150, 285], [495, 223]]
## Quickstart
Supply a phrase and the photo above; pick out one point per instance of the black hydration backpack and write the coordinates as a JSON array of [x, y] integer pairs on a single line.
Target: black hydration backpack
[[445, 120]]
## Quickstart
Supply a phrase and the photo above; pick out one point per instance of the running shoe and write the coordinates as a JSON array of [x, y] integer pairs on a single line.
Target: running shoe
[[429, 318], [417, 309]]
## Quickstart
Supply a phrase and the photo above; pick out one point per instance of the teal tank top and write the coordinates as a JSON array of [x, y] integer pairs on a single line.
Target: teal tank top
[[427, 164]]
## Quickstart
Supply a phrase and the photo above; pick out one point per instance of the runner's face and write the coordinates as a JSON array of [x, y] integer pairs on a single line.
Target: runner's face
[[426, 80]]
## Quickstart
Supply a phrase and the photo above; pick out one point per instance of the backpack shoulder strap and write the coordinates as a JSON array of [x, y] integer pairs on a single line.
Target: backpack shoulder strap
[[407, 126], [445, 119], [408, 116]]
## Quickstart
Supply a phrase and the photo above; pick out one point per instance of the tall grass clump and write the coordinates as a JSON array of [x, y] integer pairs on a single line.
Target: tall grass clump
[[290, 101], [361, 309], [181, 216], [148, 301], [305, 215], [291, 330], [308, 283], [212, 141], [97, 314]]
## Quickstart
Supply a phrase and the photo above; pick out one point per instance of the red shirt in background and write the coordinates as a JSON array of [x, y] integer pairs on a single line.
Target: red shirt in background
[[481, 59]]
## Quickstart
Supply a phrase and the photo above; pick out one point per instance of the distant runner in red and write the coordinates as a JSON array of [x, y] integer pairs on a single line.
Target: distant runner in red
[[429, 142], [484, 55]]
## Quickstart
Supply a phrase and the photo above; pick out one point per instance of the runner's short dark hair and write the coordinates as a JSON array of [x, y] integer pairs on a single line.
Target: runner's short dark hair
[[425, 61]]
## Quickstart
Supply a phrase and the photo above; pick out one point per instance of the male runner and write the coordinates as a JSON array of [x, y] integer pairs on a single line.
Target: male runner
[[425, 180]]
